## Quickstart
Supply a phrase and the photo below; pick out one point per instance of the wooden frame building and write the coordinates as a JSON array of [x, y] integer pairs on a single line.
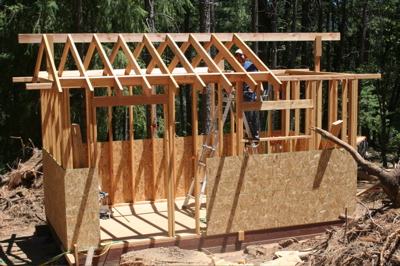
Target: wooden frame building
[[133, 171]]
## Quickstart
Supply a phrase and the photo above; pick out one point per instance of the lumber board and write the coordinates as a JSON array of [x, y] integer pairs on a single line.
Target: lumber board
[[331, 76], [277, 105], [345, 99], [353, 113], [274, 192], [286, 116], [72, 79], [183, 37], [129, 100], [295, 86], [317, 53], [77, 146]]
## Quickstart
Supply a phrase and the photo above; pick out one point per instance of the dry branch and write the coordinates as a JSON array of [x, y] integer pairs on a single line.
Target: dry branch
[[25, 173]]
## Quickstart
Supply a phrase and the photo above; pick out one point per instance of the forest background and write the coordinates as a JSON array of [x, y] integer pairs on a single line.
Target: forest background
[[370, 43]]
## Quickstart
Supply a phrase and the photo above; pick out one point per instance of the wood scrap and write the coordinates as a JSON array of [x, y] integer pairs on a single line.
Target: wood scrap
[[368, 189]]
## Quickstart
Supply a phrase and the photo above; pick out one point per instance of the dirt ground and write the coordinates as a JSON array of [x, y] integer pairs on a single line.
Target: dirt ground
[[369, 237]]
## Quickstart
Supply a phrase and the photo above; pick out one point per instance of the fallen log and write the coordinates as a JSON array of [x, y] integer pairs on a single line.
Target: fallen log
[[389, 179]]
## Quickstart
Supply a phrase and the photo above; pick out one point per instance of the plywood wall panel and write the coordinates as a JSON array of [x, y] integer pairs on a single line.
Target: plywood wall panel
[[72, 203], [103, 165], [143, 174], [160, 185], [82, 206], [122, 174], [275, 190], [54, 196], [184, 164]]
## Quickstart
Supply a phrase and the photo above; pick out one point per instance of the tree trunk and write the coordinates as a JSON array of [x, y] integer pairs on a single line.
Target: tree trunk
[[275, 16], [293, 53], [389, 180], [254, 23], [306, 27], [205, 27], [150, 109], [79, 28], [363, 34], [329, 23]]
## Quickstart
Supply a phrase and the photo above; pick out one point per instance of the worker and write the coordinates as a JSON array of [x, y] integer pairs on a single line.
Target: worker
[[249, 95]]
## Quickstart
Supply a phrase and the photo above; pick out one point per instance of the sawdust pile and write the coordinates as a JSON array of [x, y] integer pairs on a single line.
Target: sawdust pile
[[22, 195]]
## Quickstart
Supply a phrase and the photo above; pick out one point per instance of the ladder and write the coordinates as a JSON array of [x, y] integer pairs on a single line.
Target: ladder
[[228, 99]]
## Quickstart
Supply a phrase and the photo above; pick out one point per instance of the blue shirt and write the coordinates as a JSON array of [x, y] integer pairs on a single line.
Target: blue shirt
[[249, 67]]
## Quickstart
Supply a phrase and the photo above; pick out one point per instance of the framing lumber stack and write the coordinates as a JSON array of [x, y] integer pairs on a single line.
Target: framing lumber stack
[[147, 170]]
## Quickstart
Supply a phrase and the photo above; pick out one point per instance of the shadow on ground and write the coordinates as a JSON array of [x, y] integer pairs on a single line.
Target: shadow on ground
[[37, 249]]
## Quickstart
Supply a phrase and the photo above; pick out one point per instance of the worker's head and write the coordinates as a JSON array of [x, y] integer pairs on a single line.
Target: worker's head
[[240, 56]]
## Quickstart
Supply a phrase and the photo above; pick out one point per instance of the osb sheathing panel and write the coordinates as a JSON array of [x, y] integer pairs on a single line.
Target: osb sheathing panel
[[72, 203], [276, 190], [149, 184], [122, 172], [184, 164], [82, 206], [54, 196], [143, 170]]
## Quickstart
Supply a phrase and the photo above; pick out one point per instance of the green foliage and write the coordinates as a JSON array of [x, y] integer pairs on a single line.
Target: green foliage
[[370, 43]]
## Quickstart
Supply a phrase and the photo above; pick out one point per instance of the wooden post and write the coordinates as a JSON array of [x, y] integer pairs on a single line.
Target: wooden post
[[89, 129], [232, 135], [53, 115], [353, 112], [285, 126], [310, 113], [220, 124], [111, 151], [345, 99], [153, 150], [332, 101], [239, 118], [169, 118], [66, 137], [77, 146], [195, 133], [296, 96], [318, 109], [44, 104], [132, 150], [317, 53], [94, 128], [76, 256]]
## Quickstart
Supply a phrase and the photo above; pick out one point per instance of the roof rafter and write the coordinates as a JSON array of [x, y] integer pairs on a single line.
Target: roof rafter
[[152, 50], [70, 46], [184, 61], [132, 63], [255, 59], [232, 60], [210, 63]]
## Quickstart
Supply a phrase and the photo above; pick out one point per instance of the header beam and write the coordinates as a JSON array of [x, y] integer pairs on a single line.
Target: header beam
[[182, 37]]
